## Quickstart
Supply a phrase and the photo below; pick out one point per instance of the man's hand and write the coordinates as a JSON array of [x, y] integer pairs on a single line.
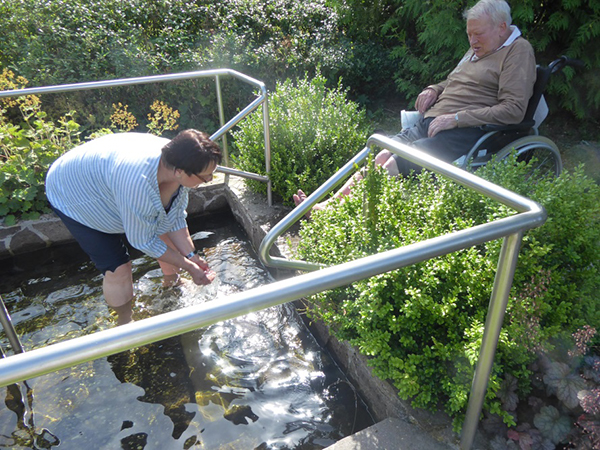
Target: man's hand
[[441, 123], [425, 100]]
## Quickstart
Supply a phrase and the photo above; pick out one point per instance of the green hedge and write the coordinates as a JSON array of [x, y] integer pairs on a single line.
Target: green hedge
[[422, 326], [370, 44], [57, 42], [314, 131]]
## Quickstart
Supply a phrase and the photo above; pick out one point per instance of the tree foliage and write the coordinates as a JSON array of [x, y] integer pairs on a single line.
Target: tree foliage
[[372, 45]]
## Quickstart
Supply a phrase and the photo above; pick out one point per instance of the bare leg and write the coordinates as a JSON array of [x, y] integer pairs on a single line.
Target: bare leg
[[383, 158], [118, 292]]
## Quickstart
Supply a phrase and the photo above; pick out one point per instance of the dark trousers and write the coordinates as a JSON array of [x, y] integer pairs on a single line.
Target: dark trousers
[[447, 145]]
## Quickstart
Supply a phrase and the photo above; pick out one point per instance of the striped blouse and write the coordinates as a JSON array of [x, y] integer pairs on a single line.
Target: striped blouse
[[110, 184]]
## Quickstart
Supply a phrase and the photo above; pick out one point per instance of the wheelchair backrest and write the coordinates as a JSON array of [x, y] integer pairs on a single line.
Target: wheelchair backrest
[[541, 81]]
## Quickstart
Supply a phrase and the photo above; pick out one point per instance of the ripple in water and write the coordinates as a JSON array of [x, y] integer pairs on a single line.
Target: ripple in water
[[259, 381]]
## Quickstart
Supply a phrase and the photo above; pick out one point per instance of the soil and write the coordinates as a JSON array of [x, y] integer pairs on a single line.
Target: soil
[[578, 142]]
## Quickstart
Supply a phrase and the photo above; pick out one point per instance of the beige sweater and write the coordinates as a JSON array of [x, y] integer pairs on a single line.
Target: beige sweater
[[494, 89]]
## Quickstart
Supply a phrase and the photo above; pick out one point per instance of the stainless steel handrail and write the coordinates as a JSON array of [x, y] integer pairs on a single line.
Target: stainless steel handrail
[[530, 215], [262, 99]]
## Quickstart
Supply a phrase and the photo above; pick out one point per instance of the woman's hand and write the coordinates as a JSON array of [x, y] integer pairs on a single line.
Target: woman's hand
[[203, 275], [199, 261]]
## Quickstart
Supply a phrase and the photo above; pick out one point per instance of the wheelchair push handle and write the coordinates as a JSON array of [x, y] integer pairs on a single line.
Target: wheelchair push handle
[[558, 64]]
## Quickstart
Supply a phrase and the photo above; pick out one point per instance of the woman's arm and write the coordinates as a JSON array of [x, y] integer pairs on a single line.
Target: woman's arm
[[179, 244]]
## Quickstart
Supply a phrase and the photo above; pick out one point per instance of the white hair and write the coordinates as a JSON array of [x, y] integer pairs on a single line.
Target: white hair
[[497, 10]]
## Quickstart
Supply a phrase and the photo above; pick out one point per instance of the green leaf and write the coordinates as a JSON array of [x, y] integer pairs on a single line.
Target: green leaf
[[552, 424], [564, 383], [508, 393], [10, 220]]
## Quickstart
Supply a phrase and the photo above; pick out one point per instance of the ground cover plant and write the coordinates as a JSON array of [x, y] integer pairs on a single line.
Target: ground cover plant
[[422, 326], [30, 142]]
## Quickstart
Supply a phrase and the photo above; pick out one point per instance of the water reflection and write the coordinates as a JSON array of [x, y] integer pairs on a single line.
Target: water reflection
[[258, 381]]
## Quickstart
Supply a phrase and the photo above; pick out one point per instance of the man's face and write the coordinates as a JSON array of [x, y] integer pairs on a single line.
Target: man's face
[[484, 37]]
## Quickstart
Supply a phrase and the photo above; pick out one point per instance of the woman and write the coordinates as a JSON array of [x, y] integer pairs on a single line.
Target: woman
[[134, 184]]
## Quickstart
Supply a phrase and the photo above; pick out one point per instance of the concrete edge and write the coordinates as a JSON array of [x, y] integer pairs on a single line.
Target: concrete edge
[[389, 434]]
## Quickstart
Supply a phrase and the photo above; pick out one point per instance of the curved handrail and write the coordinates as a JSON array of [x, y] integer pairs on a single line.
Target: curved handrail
[[535, 217], [529, 215], [262, 99]]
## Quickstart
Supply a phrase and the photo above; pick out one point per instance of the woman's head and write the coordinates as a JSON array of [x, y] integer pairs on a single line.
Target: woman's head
[[191, 151]]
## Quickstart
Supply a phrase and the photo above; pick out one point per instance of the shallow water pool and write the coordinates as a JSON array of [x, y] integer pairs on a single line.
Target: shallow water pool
[[259, 381]]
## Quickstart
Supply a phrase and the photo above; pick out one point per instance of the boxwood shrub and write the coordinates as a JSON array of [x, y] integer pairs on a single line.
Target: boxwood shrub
[[422, 325], [314, 131]]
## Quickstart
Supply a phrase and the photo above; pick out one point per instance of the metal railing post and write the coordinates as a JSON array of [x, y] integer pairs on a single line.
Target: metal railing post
[[267, 133], [9, 329], [222, 122], [493, 324]]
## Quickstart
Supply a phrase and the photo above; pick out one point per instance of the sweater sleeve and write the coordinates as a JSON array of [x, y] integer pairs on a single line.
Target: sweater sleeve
[[438, 88], [515, 87]]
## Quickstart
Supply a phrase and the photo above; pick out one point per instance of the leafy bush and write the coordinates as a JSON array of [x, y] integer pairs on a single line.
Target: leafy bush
[[274, 39], [422, 326], [314, 131], [27, 151]]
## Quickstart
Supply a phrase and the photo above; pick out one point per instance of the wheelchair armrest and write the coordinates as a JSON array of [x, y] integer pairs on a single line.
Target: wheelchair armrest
[[523, 126]]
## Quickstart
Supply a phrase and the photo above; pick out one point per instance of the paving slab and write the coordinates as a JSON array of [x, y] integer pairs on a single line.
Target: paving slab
[[390, 434]]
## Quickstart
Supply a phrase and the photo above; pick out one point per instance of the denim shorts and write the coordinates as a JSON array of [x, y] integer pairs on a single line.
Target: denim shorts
[[107, 251]]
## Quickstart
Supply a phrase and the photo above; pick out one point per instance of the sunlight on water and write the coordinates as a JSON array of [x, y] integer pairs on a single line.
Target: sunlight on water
[[259, 381]]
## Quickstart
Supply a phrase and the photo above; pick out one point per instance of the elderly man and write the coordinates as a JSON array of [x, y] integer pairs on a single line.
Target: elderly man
[[491, 84]]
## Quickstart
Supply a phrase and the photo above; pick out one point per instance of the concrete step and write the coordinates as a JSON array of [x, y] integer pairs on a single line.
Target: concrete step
[[390, 434]]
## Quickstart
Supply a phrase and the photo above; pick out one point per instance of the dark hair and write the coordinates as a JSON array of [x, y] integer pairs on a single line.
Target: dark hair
[[191, 151]]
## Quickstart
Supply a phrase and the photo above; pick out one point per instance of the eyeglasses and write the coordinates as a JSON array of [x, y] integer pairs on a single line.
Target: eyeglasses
[[204, 180]]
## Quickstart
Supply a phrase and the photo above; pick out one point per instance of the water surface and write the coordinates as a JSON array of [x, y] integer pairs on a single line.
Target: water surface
[[259, 381]]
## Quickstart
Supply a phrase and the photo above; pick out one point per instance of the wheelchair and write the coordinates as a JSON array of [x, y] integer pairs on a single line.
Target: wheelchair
[[522, 138]]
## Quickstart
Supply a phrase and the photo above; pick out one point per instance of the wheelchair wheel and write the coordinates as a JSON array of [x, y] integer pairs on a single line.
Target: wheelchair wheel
[[542, 150]]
